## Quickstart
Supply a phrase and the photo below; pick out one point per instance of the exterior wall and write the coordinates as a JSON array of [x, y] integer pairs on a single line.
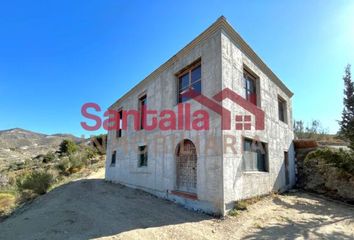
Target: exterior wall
[[278, 136], [220, 177], [159, 177]]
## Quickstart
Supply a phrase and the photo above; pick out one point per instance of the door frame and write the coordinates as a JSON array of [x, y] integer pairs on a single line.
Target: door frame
[[176, 156]]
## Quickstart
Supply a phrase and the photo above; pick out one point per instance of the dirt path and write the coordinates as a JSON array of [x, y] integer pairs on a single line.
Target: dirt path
[[93, 209]]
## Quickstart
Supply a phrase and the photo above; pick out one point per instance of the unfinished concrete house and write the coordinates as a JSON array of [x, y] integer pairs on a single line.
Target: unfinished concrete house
[[229, 140]]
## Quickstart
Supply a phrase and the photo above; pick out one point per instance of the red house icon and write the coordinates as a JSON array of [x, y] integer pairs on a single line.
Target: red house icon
[[242, 122]]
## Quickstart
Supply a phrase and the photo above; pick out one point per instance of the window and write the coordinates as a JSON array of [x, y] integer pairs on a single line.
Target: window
[[113, 159], [286, 165], [254, 156], [282, 109], [142, 108], [250, 87], [189, 80], [143, 156], [119, 130]]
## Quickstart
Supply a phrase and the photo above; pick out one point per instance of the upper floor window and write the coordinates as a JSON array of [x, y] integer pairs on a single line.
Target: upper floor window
[[250, 86], [143, 156], [120, 122], [254, 156], [113, 159], [282, 112], [142, 108], [189, 80]]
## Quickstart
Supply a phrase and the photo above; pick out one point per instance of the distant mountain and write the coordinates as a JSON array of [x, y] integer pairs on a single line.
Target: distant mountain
[[65, 135], [17, 145]]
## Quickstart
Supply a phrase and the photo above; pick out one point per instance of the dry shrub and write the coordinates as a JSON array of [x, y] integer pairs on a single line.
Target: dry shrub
[[341, 159], [305, 143], [7, 202], [36, 181], [242, 205], [73, 163]]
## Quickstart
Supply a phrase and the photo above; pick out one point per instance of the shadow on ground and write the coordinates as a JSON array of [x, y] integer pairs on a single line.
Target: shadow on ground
[[324, 216], [92, 208]]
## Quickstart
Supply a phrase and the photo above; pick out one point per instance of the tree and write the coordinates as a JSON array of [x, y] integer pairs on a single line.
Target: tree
[[313, 130], [299, 128], [68, 147], [99, 143], [347, 122]]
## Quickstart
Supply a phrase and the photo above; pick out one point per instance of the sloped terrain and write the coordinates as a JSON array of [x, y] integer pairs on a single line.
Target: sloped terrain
[[317, 175], [18, 145], [94, 209]]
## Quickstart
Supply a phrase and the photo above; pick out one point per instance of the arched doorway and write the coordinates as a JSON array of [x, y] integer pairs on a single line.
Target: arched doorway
[[186, 167]]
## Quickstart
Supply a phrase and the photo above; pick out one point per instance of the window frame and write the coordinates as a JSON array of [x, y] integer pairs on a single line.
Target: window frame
[[188, 70], [286, 168], [282, 102], [119, 132], [141, 97], [144, 162], [247, 75], [113, 158], [266, 157]]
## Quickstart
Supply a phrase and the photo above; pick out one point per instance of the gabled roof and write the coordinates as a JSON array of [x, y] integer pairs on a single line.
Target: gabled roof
[[220, 23]]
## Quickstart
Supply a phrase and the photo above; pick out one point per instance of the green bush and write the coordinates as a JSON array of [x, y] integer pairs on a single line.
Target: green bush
[[234, 212], [341, 159], [90, 152], [17, 166], [77, 161], [49, 157], [241, 205], [36, 181], [68, 147], [63, 164], [238, 208], [73, 163]]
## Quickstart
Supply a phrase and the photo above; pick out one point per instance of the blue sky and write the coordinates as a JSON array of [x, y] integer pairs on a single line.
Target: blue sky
[[57, 55]]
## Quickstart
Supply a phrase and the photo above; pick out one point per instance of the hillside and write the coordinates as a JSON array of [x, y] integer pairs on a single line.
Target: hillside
[[18, 145]]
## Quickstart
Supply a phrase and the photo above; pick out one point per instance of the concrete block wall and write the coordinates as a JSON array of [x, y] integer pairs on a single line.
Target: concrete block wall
[[239, 184], [159, 177], [220, 177]]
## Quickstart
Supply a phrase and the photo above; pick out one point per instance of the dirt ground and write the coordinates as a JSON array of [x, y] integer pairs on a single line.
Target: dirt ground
[[93, 209]]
